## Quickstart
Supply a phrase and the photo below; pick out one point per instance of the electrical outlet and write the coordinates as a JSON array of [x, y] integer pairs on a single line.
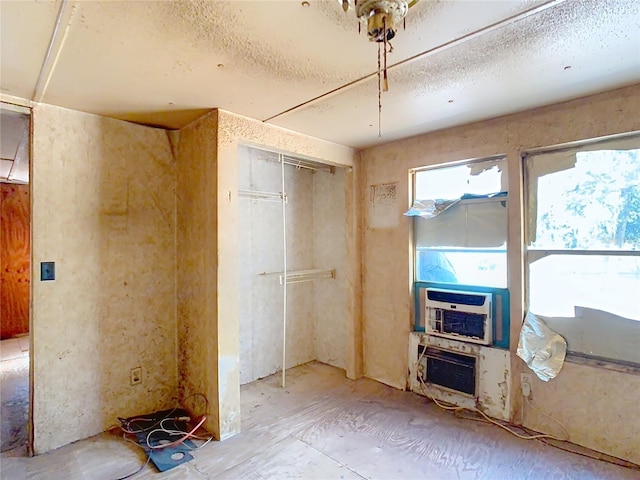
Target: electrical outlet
[[136, 376], [525, 384]]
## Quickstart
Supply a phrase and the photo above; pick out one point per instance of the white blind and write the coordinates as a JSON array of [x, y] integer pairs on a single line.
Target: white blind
[[473, 224]]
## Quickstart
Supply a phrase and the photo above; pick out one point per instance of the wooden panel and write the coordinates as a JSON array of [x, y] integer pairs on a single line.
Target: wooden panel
[[14, 260]]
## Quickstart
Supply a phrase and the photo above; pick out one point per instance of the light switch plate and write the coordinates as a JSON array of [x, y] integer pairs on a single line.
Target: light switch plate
[[47, 271]]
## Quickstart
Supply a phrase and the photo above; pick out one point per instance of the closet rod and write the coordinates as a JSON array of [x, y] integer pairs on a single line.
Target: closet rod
[[260, 195], [299, 163], [302, 164], [298, 276]]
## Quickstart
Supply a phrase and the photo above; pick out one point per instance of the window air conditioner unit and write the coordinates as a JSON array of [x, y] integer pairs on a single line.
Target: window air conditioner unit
[[464, 316]]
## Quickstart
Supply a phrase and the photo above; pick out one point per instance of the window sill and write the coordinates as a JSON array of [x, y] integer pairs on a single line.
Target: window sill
[[602, 363]]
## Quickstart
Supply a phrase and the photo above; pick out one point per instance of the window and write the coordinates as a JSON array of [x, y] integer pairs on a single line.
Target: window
[[464, 240], [583, 255]]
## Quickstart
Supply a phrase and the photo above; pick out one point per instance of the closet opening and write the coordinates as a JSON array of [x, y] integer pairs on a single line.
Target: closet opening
[[292, 254]]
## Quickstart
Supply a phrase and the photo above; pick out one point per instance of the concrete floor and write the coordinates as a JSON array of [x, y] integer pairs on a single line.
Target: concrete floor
[[323, 426], [14, 393]]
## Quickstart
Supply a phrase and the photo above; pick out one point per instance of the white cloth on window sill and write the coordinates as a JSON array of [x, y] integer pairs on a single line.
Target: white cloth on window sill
[[542, 349]]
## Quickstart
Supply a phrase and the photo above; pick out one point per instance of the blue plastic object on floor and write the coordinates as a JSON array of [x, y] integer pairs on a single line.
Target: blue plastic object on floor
[[168, 457]]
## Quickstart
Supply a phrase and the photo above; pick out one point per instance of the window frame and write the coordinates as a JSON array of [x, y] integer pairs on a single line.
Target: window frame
[[532, 254], [413, 179]]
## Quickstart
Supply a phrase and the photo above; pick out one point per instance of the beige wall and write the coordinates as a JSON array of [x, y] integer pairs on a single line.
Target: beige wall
[[197, 258], [593, 414], [103, 194], [208, 251]]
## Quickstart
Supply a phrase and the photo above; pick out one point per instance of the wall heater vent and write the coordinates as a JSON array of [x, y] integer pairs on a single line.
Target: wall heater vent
[[447, 369]]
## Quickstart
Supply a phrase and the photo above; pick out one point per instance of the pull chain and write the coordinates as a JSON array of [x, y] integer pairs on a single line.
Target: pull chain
[[386, 80], [379, 94]]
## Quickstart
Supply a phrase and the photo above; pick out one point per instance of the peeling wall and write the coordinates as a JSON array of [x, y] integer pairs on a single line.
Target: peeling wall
[[387, 299], [103, 194], [492, 375]]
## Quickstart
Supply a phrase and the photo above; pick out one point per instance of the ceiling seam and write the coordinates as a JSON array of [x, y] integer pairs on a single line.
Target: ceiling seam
[[53, 51], [437, 49]]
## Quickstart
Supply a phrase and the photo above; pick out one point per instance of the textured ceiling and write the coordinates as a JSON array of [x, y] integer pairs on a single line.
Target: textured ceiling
[[306, 68]]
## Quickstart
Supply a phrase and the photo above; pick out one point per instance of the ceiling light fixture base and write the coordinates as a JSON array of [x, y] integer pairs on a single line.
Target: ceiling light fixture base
[[381, 17]]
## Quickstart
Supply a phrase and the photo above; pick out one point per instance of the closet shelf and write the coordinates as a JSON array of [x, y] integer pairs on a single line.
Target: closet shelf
[[307, 164], [298, 163], [299, 276], [264, 196]]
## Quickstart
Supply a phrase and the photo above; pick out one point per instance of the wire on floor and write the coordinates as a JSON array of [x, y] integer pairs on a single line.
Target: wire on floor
[[602, 458], [455, 408], [540, 412], [187, 434], [137, 471], [127, 425], [183, 435], [140, 425]]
